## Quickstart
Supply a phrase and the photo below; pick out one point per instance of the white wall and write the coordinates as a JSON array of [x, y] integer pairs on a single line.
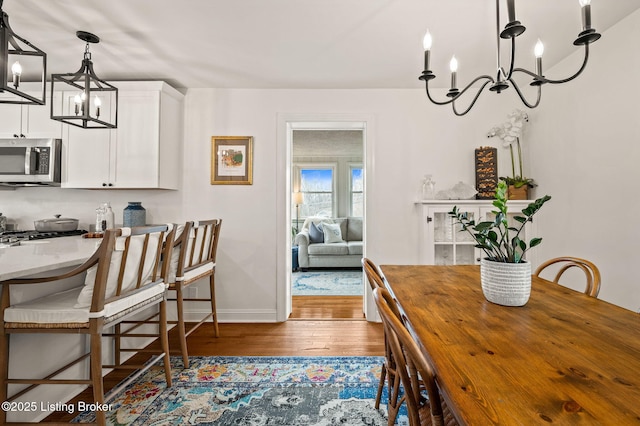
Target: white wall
[[586, 154], [411, 138]]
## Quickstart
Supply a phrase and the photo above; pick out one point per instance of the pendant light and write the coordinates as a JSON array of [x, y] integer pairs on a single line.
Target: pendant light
[[89, 102], [18, 58]]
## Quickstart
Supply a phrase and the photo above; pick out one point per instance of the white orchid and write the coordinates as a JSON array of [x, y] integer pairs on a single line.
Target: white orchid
[[510, 131]]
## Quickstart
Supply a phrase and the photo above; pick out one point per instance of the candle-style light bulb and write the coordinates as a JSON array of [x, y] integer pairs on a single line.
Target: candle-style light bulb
[[16, 69], [426, 43], [511, 10], [98, 103], [586, 14], [453, 66], [77, 100], [538, 51]]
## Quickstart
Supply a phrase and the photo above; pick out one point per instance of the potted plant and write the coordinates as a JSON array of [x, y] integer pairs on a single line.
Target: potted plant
[[510, 133], [505, 274]]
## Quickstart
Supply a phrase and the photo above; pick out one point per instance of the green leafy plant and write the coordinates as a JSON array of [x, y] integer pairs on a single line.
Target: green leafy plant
[[499, 241], [518, 181]]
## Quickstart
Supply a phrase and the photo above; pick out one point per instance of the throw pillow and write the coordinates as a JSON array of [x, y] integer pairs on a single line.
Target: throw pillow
[[315, 233], [332, 233]]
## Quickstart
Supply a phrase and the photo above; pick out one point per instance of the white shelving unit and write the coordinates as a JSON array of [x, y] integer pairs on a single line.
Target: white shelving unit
[[443, 243]]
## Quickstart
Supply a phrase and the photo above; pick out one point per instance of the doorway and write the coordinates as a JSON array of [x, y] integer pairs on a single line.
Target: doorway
[[327, 171], [307, 140]]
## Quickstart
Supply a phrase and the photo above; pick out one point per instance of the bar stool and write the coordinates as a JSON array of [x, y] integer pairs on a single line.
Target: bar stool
[[123, 278], [194, 258]]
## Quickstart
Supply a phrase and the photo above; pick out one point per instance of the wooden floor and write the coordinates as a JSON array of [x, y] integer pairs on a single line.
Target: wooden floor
[[327, 308], [319, 326]]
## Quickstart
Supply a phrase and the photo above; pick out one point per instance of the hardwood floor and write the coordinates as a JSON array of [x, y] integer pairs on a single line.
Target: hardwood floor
[[327, 308], [319, 326]]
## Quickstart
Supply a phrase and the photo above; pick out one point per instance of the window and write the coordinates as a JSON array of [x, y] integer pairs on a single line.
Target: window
[[356, 187], [317, 184]]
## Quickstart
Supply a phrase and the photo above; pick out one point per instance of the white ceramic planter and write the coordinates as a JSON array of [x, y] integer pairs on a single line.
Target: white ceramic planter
[[507, 284]]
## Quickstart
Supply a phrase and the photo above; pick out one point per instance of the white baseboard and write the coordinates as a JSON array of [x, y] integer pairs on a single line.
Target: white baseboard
[[235, 315]]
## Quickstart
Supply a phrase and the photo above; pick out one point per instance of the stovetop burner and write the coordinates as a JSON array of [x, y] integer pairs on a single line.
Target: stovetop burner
[[16, 236], [35, 235]]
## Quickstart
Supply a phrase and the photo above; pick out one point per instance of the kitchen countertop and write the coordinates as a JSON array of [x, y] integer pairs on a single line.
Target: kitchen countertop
[[37, 256]]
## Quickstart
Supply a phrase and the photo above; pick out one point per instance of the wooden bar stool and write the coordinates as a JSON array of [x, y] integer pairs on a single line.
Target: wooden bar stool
[[123, 278], [194, 258]]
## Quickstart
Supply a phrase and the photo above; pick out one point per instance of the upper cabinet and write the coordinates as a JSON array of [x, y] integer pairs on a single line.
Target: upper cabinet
[[143, 152], [30, 121]]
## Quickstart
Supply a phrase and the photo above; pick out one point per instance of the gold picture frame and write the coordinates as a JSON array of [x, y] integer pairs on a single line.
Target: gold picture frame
[[231, 160]]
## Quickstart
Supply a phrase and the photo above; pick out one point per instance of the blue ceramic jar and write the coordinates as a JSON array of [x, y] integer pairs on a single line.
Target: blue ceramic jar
[[134, 215]]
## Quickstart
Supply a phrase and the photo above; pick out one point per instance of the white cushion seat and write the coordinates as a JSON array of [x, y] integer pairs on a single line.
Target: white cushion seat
[[197, 272], [61, 308]]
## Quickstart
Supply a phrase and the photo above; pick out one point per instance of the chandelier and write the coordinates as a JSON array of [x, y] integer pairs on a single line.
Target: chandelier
[[18, 55], [90, 103], [504, 77]]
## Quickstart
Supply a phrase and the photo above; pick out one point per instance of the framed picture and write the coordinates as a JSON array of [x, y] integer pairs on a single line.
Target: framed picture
[[231, 160]]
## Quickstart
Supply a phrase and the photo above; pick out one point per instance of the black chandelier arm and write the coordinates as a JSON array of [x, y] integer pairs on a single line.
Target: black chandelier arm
[[512, 61], [543, 79], [482, 77], [473, 102], [522, 97]]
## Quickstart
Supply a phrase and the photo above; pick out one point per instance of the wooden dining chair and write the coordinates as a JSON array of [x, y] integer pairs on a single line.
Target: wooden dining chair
[[388, 370], [565, 263], [420, 391], [194, 258], [122, 279]]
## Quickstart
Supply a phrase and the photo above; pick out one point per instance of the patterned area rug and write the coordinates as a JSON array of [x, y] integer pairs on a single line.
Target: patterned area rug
[[254, 391], [327, 283]]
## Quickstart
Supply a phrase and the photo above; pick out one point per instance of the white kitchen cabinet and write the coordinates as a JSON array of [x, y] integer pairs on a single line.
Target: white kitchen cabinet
[[443, 243], [143, 152], [30, 121]]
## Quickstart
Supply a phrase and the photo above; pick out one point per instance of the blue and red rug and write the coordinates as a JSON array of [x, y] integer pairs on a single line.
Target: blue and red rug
[[255, 391]]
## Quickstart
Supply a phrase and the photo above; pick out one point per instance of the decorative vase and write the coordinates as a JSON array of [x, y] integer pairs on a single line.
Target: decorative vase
[[134, 215], [428, 188], [507, 284], [521, 193]]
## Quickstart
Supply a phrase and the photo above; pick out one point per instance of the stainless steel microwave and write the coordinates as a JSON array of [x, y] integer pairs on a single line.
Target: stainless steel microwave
[[30, 162]]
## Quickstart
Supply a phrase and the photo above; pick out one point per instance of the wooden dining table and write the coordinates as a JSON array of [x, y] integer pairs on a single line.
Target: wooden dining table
[[564, 358]]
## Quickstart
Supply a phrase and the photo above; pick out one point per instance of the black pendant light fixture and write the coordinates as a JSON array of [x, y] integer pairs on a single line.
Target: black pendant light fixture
[[19, 57], [89, 102], [504, 76]]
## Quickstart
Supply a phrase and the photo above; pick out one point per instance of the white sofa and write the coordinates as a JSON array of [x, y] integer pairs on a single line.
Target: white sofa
[[345, 253]]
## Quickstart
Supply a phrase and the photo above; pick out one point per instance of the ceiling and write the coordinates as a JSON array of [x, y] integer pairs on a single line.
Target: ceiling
[[340, 44]]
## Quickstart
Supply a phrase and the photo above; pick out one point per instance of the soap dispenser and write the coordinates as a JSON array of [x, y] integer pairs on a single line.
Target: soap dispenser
[[109, 216]]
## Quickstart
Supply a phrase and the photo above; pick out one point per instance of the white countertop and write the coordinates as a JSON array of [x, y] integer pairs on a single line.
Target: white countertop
[[39, 256]]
